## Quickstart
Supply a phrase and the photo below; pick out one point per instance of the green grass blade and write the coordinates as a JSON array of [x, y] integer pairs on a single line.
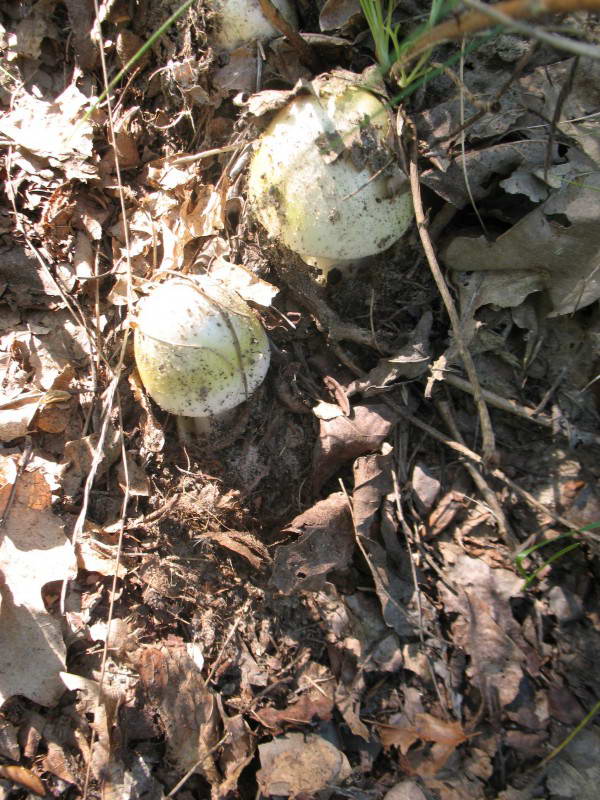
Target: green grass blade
[[143, 49]]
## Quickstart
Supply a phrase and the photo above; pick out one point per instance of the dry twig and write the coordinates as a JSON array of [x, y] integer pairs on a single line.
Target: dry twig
[[486, 425]]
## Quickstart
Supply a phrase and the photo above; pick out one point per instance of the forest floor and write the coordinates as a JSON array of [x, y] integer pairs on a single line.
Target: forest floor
[[340, 601]]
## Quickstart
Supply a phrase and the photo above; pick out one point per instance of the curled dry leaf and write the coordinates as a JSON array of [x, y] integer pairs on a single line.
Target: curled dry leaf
[[345, 438], [242, 543], [23, 777]]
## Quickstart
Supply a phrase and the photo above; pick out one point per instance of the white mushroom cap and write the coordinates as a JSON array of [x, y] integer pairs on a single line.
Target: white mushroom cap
[[199, 348], [323, 206], [242, 21]]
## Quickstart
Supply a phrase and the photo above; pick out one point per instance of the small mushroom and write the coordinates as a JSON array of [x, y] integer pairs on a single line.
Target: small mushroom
[[241, 21], [200, 350]]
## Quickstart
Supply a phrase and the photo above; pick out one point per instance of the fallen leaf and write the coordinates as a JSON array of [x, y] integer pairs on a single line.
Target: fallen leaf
[[67, 140], [326, 542], [16, 415], [135, 479], [174, 686], [443, 731], [425, 486], [33, 551], [345, 438], [372, 481], [300, 764], [409, 363], [486, 628], [237, 752], [557, 244], [242, 543], [316, 701], [248, 285], [25, 778]]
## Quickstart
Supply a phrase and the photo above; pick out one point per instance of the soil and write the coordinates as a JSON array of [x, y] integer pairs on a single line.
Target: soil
[[350, 595]]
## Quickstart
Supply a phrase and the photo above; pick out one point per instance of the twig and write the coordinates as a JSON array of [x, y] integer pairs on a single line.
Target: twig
[[191, 770], [278, 21], [484, 416], [238, 620], [413, 571], [489, 106], [444, 410], [457, 447], [530, 414], [565, 91], [506, 12]]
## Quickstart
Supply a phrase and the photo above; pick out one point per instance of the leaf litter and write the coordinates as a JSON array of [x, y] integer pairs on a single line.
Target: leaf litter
[[230, 622]]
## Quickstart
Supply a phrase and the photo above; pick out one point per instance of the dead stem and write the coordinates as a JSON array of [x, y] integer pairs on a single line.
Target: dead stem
[[487, 432], [531, 414], [445, 411], [305, 53], [481, 18]]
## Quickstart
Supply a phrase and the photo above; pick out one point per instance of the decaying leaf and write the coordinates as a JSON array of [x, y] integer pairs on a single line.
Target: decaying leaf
[[243, 543], [486, 627], [67, 139], [33, 551], [372, 481], [326, 542], [238, 750], [344, 438], [316, 686], [557, 243], [174, 686], [300, 764]]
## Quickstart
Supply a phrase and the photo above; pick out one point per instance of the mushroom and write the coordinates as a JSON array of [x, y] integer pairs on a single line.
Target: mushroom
[[200, 351], [241, 21], [323, 179]]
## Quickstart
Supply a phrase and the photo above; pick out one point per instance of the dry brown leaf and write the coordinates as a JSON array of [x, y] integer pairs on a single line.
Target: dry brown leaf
[[237, 752], [563, 236], [242, 543], [95, 555], [67, 140], [315, 703], [136, 481], [174, 686], [443, 731], [397, 735], [16, 415], [326, 542], [25, 778], [486, 628], [372, 482], [33, 551], [345, 438]]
